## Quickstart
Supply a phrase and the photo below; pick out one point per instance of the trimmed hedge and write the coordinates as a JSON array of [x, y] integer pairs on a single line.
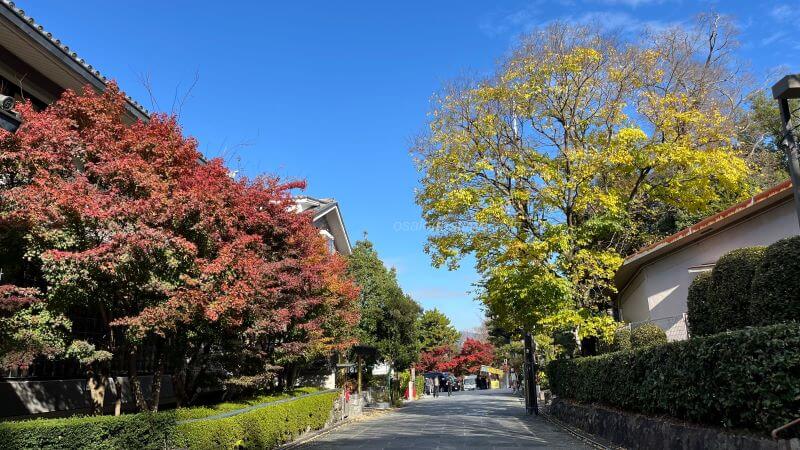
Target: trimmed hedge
[[729, 293], [741, 379], [267, 427], [622, 340], [646, 335], [699, 317], [140, 431], [197, 412], [776, 284]]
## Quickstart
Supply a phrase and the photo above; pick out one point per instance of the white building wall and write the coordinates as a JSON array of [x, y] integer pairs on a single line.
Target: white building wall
[[660, 288]]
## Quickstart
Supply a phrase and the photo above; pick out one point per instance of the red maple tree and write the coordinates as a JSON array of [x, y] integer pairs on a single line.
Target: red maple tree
[[469, 360], [129, 224]]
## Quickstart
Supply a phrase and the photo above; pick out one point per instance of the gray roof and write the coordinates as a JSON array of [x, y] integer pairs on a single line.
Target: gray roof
[[55, 45]]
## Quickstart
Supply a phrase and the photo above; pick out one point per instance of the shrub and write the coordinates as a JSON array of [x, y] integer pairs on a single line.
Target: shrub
[[741, 379], [699, 318], [647, 335], [776, 284], [419, 385], [140, 431], [622, 340], [266, 427], [729, 293], [197, 412]]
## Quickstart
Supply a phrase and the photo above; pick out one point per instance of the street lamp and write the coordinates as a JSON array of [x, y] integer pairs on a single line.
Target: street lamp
[[786, 89]]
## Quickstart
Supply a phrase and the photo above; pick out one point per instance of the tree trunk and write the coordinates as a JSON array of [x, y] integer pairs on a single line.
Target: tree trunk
[[133, 378], [96, 391], [191, 377], [118, 401], [179, 386], [291, 376], [155, 392]]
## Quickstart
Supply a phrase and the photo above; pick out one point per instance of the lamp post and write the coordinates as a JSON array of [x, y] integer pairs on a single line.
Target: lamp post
[[786, 89]]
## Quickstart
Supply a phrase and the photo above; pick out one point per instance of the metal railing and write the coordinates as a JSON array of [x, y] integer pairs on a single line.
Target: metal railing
[[247, 409], [675, 326]]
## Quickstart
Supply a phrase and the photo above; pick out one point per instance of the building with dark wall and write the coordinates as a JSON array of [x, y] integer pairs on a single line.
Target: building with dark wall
[[37, 66]]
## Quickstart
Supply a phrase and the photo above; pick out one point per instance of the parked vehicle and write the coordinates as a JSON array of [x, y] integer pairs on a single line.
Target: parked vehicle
[[470, 383]]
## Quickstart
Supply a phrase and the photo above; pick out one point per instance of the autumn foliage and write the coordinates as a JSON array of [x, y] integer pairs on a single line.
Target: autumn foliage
[[469, 360], [127, 223]]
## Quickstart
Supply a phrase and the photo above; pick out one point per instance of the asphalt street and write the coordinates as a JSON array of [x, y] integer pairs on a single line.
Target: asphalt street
[[467, 420]]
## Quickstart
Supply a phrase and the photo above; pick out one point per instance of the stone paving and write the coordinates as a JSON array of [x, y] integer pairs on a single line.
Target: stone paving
[[467, 420]]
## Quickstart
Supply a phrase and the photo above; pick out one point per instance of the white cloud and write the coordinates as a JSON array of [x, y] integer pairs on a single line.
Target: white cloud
[[630, 3], [776, 36], [531, 17], [784, 13]]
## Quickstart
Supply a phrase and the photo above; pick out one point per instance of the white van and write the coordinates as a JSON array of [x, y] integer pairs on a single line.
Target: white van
[[470, 383]]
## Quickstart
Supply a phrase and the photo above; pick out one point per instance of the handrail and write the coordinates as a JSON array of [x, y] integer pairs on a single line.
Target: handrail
[[236, 412], [784, 427]]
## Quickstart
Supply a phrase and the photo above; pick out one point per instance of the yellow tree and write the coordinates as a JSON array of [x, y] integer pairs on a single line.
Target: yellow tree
[[566, 159]]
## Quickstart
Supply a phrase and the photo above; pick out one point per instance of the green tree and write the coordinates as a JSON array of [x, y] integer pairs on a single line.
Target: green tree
[[759, 140], [553, 169], [389, 318], [435, 330]]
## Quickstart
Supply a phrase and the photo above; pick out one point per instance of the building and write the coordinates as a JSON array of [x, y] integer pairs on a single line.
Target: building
[[653, 283], [37, 66], [328, 219]]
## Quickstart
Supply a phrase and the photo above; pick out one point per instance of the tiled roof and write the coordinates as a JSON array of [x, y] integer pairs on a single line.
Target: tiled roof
[[753, 205], [65, 49], [699, 227]]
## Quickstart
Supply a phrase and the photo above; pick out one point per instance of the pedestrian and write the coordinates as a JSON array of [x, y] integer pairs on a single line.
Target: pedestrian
[[449, 386], [436, 386]]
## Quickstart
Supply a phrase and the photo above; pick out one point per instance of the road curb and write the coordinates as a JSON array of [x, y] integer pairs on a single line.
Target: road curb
[[588, 438], [311, 435]]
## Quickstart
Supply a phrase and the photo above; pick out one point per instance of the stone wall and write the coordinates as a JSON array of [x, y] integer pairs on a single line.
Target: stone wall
[[636, 431]]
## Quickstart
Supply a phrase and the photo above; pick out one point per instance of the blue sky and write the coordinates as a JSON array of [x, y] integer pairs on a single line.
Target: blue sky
[[333, 92]]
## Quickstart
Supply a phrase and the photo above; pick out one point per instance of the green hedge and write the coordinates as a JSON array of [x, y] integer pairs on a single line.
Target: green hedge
[[140, 431], [741, 379], [267, 427], [699, 317], [729, 293], [776, 284], [197, 412], [622, 340], [646, 335]]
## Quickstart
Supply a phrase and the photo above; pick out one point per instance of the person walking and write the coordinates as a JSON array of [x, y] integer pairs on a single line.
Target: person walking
[[436, 386], [449, 386]]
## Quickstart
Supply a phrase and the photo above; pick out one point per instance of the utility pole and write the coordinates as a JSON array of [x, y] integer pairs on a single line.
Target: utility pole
[[531, 402]]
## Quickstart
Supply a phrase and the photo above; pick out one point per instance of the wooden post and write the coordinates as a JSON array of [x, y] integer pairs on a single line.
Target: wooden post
[[412, 384]]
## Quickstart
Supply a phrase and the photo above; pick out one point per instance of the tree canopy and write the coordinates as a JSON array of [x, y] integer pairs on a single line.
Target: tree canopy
[[435, 330], [570, 156], [388, 316], [128, 225]]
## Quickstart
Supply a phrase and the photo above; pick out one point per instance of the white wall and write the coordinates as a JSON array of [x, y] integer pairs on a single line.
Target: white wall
[[660, 288]]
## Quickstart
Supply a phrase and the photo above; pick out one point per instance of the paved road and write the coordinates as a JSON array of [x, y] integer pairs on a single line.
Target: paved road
[[467, 420]]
